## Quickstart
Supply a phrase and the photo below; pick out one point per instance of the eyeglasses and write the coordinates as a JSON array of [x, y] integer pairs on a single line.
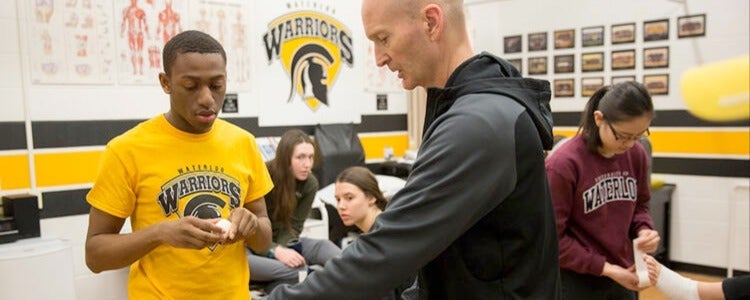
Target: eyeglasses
[[625, 138]]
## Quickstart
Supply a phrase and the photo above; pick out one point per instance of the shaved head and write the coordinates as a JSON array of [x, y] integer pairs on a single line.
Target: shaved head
[[423, 41]]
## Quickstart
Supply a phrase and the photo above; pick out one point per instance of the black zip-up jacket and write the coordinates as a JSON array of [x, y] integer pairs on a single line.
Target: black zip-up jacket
[[475, 217]]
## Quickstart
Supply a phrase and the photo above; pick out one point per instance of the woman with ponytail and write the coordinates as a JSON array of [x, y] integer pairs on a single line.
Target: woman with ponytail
[[600, 191]]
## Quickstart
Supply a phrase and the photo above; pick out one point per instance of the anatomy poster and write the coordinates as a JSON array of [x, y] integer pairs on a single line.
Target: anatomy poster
[[70, 41], [142, 27], [227, 21], [379, 79]]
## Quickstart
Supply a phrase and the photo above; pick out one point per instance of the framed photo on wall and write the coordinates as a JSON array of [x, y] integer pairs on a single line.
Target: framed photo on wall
[[512, 44], [564, 87], [564, 64], [657, 84], [592, 62], [589, 85], [537, 41], [657, 57], [691, 26], [656, 30], [518, 63], [592, 36], [623, 59], [623, 33], [565, 39], [537, 65], [621, 79]]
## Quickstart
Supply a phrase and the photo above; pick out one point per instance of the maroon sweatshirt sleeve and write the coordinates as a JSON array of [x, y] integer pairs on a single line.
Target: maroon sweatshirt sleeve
[[641, 217], [573, 255]]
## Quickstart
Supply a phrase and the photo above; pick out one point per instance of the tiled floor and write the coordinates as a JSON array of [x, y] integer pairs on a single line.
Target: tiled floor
[[654, 294]]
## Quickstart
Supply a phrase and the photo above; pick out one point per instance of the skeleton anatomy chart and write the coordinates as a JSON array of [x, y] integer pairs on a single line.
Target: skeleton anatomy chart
[[70, 41], [227, 21]]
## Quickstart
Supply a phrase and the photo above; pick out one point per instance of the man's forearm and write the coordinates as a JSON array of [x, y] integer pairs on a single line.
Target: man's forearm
[[113, 251], [261, 240]]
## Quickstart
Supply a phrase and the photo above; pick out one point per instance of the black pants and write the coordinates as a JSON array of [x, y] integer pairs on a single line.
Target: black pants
[[576, 286], [737, 288]]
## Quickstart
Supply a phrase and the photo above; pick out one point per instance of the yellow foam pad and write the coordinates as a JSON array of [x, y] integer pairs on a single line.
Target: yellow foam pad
[[719, 91]]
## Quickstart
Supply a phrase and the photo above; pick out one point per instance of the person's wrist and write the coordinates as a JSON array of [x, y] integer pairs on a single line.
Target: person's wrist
[[606, 269], [271, 253]]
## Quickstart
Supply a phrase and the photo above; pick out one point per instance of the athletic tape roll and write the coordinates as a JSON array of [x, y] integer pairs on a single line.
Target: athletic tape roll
[[719, 91]]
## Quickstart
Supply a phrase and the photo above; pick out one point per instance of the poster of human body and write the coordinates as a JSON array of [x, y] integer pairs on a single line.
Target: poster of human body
[[227, 21], [70, 42], [142, 28]]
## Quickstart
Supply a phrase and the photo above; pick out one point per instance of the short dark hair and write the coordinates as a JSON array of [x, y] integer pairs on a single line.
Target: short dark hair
[[190, 41], [620, 102]]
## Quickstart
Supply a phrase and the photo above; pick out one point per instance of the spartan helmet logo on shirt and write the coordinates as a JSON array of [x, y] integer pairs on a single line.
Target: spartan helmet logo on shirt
[[309, 74], [204, 206]]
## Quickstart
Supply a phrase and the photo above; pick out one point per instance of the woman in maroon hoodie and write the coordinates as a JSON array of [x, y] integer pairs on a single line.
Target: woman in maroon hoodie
[[600, 191]]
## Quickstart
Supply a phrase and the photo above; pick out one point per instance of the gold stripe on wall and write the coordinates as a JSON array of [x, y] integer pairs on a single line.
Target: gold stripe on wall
[[68, 168], [695, 142], [14, 172], [374, 145], [71, 168], [80, 167]]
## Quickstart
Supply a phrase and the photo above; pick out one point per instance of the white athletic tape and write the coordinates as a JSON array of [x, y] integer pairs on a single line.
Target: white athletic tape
[[640, 266]]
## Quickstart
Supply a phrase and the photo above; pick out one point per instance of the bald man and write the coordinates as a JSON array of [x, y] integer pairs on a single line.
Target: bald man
[[475, 219]]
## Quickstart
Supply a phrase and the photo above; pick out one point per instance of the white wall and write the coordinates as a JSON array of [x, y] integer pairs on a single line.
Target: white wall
[[128, 101], [11, 102], [728, 34], [700, 207]]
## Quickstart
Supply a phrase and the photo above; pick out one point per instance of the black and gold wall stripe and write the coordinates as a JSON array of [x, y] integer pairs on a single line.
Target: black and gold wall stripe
[[676, 131]]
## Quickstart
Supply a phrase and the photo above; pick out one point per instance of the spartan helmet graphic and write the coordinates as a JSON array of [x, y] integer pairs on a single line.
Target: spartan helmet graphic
[[204, 206], [309, 70]]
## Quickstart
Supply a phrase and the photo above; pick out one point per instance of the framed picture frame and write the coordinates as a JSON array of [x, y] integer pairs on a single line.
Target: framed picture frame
[[564, 63], [691, 26], [589, 85], [537, 41], [657, 84], [623, 33], [564, 87], [621, 79], [656, 30], [518, 63], [512, 44], [623, 59], [592, 36], [592, 62], [656, 57], [537, 65], [565, 39]]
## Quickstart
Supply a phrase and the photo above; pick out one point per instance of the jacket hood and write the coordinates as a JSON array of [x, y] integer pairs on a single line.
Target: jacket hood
[[486, 73]]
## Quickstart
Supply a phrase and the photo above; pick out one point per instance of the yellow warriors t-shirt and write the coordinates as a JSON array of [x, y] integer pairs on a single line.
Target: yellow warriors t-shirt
[[154, 173]]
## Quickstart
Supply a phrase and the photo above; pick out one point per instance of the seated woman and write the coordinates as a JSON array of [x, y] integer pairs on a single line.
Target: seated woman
[[359, 201], [289, 204]]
